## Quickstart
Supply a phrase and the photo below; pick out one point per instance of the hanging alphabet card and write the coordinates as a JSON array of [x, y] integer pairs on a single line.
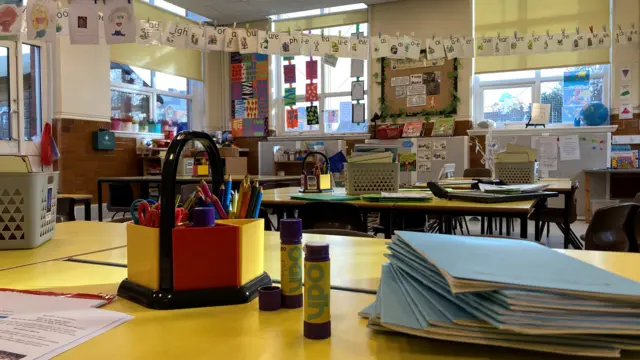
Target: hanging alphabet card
[[453, 47], [231, 41], [412, 48], [290, 44], [41, 20], [396, 48], [149, 33], [176, 35], [484, 46], [435, 48], [196, 37], [359, 47], [215, 38], [305, 44], [119, 22], [83, 22], [468, 47], [273, 43], [339, 46], [248, 41], [379, 47]]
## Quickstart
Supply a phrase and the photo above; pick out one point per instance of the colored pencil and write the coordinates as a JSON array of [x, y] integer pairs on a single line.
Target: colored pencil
[[216, 203], [221, 194], [235, 205], [256, 213], [227, 196], [246, 197], [252, 200]]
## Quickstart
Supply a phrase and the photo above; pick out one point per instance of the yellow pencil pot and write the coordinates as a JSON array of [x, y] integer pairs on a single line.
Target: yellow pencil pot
[[143, 255], [251, 252]]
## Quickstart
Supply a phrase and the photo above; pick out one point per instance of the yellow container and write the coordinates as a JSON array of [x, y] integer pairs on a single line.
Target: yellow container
[[325, 182], [143, 255], [251, 247]]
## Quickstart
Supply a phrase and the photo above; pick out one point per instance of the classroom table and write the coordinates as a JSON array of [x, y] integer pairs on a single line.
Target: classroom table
[[182, 180], [80, 198], [70, 239], [355, 262], [280, 199]]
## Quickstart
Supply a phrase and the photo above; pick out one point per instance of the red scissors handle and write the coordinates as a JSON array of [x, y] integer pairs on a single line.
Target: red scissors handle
[[148, 217]]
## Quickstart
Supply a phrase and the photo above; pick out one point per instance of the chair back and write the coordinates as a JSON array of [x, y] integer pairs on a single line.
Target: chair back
[[331, 215], [339, 232], [477, 173], [120, 196], [636, 199], [609, 229], [573, 210]]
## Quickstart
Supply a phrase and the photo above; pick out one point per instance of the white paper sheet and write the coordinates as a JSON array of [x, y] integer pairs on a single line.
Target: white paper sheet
[[41, 20], [119, 22], [412, 48], [569, 147], [15, 303], [215, 38], [435, 48], [83, 22], [396, 48], [274, 43], [485, 45], [468, 47], [357, 68], [176, 35], [400, 81], [547, 153], [359, 47], [231, 41]]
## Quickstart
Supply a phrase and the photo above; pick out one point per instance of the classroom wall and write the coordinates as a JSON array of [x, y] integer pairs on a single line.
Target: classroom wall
[[625, 13], [425, 18]]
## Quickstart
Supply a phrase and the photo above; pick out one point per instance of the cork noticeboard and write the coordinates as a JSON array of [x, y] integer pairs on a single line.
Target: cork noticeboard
[[419, 87]]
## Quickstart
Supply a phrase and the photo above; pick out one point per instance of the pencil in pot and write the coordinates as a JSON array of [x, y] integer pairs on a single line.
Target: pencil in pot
[[246, 197], [256, 212], [227, 197], [252, 200]]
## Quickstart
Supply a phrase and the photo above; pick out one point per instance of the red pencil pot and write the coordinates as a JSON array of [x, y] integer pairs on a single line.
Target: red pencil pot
[[206, 258]]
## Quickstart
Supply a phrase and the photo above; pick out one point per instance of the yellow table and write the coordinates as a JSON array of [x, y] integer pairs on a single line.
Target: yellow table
[[355, 262], [71, 239]]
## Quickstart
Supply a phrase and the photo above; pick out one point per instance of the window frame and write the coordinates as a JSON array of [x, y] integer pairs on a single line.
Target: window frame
[[152, 92], [535, 83]]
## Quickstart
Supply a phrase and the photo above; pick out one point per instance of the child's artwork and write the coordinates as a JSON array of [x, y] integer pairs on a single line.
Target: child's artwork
[[119, 22], [412, 129], [251, 108], [435, 48], [357, 90], [312, 115], [41, 24], [236, 127], [359, 47], [311, 93], [231, 40], [444, 127], [424, 166], [290, 97], [274, 43], [292, 118], [215, 38], [432, 81], [357, 68], [312, 70], [331, 116], [379, 47], [83, 22], [196, 37], [10, 19], [407, 162], [290, 74], [248, 41], [424, 155], [149, 32], [358, 113], [176, 35]]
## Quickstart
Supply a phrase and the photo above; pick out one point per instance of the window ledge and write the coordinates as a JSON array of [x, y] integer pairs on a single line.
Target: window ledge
[[542, 131], [360, 136], [130, 134]]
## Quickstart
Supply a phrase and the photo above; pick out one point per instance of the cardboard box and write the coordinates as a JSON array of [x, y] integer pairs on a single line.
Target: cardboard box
[[229, 152], [235, 165]]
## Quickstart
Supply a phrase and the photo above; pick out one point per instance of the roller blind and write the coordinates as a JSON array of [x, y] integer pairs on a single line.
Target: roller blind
[[527, 16], [323, 21], [169, 60]]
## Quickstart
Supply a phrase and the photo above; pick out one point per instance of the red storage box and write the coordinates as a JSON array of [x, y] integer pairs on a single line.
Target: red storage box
[[387, 132], [206, 258]]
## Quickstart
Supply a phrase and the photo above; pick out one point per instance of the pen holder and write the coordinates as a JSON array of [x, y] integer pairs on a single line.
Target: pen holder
[[175, 268], [316, 182]]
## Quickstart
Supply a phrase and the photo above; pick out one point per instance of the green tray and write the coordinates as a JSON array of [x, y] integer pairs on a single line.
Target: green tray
[[324, 197]]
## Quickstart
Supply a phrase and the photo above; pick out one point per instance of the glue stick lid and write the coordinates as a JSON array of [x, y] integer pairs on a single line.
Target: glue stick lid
[[316, 251], [291, 231]]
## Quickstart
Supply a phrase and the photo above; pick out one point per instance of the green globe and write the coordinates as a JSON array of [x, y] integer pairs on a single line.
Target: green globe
[[595, 114]]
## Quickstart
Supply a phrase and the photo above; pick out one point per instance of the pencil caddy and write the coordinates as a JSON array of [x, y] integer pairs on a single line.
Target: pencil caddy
[[315, 183], [28, 203], [184, 267]]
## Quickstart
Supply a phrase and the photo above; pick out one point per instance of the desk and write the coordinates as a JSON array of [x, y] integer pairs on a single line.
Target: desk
[[597, 186], [281, 198], [80, 198], [71, 239], [355, 262], [182, 180], [68, 274]]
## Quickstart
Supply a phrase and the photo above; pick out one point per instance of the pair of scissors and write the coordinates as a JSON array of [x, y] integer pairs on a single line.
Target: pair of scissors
[[147, 216], [181, 215], [133, 210]]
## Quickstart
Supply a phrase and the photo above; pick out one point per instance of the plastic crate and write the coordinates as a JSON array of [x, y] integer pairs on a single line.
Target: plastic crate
[[361, 179], [516, 173], [28, 203]]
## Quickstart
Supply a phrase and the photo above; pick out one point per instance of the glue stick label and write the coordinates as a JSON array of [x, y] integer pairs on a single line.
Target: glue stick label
[[317, 292], [291, 269]]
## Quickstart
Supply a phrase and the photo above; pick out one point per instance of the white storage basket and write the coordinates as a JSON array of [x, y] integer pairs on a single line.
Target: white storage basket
[[362, 179]]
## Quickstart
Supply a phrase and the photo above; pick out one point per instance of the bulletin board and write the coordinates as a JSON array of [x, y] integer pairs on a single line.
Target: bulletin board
[[437, 78], [249, 94]]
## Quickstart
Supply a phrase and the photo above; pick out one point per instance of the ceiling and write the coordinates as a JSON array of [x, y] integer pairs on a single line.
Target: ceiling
[[229, 11]]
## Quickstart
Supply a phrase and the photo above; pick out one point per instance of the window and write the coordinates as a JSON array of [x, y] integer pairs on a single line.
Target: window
[[133, 88], [508, 96], [334, 91], [177, 10]]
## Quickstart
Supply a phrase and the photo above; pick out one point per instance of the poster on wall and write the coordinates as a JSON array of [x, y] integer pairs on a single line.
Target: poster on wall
[[41, 20], [250, 93], [119, 22], [62, 21], [577, 94], [83, 22]]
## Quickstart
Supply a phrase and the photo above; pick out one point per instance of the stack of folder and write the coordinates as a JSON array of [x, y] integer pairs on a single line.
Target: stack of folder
[[510, 293]]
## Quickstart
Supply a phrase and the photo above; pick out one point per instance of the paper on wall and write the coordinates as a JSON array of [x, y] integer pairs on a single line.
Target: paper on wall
[[401, 92], [625, 92], [83, 22], [357, 68], [149, 32], [602, 39], [379, 47], [231, 41], [274, 43], [416, 79], [412, 48], [263, 42], [485, 45], [435, 48], [579, 42], [12, 24], [626, 111], [416, 90], [468, 47], [62, 22], [564, 42], [176, 35], [400, 81], [396, 48], [501, 46], [416, 100], [358, 113], [452, 47], [196, 38], [538, 44], [119, 22], [424, 166], [305, 44], [569, 147], [41, 20], [359, 47], [290, 44], [248, 41], [339, 46], [547, 150], [215, 38]]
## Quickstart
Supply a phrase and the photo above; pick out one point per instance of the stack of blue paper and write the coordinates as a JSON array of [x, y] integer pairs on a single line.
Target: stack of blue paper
[[508, 293]]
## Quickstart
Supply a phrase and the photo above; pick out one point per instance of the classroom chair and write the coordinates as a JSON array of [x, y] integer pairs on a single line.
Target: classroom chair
[[331, 215], [556, 216], [120, 199], [613, 228], [636, 199], [65, 211], [339, 232], [477, 173]]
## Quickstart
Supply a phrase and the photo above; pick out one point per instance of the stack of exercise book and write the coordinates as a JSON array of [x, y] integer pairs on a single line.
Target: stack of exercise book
[[502, 292]]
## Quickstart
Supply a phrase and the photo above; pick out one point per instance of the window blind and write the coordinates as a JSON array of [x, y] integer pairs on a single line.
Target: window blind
[[323, 21], [180, 62], [526, 16]]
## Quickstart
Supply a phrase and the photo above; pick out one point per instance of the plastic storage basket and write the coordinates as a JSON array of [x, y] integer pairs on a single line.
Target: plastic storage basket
[[516, 173], [372, 178], [28, 203]]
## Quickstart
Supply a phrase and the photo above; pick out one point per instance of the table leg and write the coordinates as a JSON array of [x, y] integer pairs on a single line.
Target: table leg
[[440, 224], [508, 225], [482, 225], [365, 216], [568, 201], [99, 200], [87, 210], [538, 236], [389, 231], [524, 224], [500, 226], [587, 198]]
